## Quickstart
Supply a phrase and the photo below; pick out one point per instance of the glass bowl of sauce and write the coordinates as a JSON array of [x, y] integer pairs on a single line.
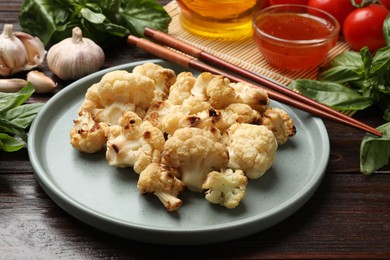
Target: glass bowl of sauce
[[295, 37]]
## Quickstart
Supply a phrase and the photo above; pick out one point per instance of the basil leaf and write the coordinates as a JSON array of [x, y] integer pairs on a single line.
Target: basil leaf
[[347, 59], [10, 144], [139, 14], [89, 15], [345, 67], [367, 61], [381, 60], [332, 94], [102, 21], [375, 151], [9, 128], [15, 117], [23, 115], [342, 74], [51, 15], [11, 100], [386, 30]]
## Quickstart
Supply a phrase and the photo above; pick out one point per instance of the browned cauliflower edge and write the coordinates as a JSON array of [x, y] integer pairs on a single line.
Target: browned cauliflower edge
[[160, 180]]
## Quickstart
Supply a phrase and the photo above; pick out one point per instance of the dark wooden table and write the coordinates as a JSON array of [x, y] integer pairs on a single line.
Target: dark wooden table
[[348, 216]]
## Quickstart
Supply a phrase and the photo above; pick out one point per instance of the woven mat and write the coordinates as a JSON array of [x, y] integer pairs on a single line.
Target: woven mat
[[243, 53]]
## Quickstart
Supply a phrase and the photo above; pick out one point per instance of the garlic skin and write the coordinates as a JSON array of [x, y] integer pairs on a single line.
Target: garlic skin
[[75, 57], [41, 82], [19, 51]]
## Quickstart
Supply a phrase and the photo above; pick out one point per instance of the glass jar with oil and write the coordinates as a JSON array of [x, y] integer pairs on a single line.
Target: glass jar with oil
[[225, 19]]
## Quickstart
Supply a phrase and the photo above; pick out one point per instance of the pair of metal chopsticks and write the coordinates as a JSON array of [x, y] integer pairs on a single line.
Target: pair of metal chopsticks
[[275, 90]]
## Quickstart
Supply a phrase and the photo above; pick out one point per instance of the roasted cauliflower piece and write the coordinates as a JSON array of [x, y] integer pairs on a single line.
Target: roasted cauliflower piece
[[195, 152], [215, 89], [160, 180], [226, 188], [252, 149], [87, 135], [181, 89], [133, 143], [164, 78], [280, 123], [118, 92], [251, 95]]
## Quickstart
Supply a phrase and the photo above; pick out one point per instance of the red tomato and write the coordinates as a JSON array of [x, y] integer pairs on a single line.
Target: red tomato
[[338, 8], [386, 3], [279, 2], [364, 27]]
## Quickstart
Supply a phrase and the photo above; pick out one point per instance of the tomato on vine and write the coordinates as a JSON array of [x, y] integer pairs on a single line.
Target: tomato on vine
[[338, 8], [364, 27], [386, 3]]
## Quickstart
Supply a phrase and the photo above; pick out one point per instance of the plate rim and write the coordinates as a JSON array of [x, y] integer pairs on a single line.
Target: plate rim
[[141, 233]]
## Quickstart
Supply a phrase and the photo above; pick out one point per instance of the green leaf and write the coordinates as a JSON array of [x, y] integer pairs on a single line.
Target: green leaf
[[10, 144], [332, 94], [347, 59], [101, 21], [89, 15], [23, 115], [381, 60], [367, 61], [386, 29], [375, 151], [342, 74], [51, 16], [11, 100], [139, 14], [15, 117], [345, 67]]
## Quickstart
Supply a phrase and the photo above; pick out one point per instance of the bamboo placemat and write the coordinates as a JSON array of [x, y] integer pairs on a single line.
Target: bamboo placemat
[[243, 53]]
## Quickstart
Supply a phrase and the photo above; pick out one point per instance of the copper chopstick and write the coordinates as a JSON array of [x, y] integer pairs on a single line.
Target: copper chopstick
[[193, 63]]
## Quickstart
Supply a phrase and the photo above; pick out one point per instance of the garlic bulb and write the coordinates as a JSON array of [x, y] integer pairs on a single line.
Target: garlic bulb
[[75, 57], [19, 51]]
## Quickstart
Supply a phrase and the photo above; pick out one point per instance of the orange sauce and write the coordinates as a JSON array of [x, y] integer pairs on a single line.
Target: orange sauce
[[218, 18], [294, 27]]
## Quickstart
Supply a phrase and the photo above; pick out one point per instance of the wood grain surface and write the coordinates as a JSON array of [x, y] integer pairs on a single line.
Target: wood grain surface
[[348, 216]]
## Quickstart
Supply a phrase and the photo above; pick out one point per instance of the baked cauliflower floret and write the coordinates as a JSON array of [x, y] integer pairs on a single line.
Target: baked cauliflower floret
[[195, 152], [163, 78], [87, 135], [160, 180], [181, 89], [222, 118], [252, 149], [280, 123], [225, 188], [251, 95], [133, 143], [166, 116], [118, 92], [215, 89]]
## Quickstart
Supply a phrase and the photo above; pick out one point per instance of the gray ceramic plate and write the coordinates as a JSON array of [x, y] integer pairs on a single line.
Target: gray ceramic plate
[[107, 198]]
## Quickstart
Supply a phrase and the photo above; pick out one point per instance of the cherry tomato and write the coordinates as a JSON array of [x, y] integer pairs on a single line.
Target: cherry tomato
[[338, 8], [364, 27], [279, 2]]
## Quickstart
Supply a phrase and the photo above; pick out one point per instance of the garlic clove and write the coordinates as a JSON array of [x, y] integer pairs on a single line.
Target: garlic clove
[[12, 85], [41, 82], [75, 57], [35, 49]]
